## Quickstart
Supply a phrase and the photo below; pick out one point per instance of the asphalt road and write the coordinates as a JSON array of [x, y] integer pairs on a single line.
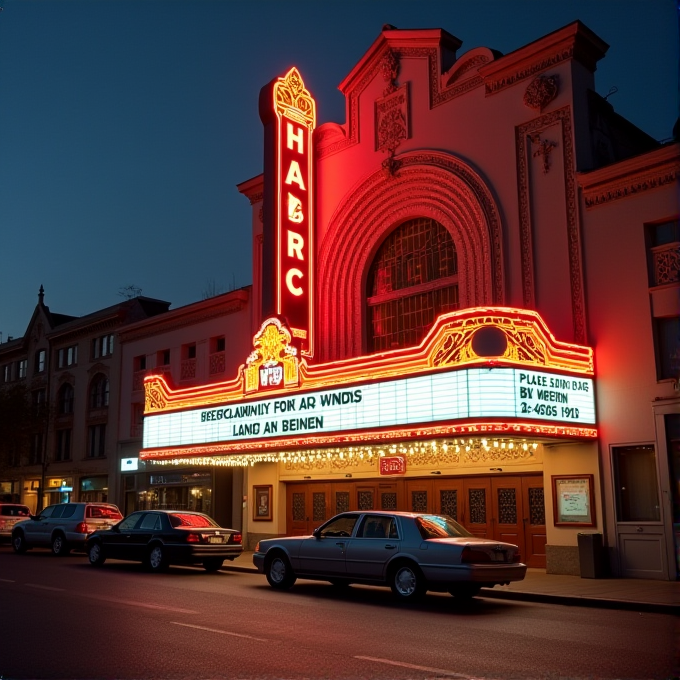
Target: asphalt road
[[62, 618]]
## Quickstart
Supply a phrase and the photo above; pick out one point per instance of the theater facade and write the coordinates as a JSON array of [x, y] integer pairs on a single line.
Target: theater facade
[[437, 323]]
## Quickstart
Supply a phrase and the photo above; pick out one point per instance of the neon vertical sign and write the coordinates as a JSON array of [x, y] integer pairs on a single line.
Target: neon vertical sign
[[289, 204]]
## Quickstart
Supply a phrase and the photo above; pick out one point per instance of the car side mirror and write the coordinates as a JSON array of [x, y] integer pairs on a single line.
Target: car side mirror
[[35, 517], [316, 533]]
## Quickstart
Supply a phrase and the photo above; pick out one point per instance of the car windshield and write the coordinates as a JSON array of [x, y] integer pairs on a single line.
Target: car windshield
[[187, 520], [440, 526]]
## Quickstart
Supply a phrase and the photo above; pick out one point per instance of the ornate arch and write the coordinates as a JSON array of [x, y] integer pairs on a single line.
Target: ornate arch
[[426, 184]]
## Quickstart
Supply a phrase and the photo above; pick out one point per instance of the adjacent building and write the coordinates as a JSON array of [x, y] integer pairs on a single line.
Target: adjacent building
[[68, 370]]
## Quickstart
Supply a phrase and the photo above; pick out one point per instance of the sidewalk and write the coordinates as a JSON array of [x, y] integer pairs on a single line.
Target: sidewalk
[[611, 593]]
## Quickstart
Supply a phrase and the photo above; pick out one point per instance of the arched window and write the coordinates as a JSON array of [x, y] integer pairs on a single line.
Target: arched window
[[412, 280], [65, 398], [99, 392]]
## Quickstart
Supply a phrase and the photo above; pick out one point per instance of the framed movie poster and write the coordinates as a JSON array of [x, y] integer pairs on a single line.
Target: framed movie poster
[[262, 503], [573, 500]]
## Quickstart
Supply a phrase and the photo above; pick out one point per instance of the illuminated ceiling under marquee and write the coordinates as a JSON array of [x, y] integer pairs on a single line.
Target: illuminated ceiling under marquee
[[529, 357]]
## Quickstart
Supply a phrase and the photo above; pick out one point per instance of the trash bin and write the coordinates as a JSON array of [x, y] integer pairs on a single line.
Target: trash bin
[[591, 555]]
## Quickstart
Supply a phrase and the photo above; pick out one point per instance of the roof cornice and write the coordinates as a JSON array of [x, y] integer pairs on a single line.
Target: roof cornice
[[575, 41]]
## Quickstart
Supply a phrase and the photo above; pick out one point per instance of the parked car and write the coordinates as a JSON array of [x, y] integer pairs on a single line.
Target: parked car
[[64, 526], [410, 552], [10, 514], [158, 538]]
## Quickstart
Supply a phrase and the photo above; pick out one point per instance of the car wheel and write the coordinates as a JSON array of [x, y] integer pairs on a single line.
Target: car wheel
[[155, 559], [407, 582], [279, 573], [213, 563], [95, 554], [19, 543], [465, 591], [60, 546]]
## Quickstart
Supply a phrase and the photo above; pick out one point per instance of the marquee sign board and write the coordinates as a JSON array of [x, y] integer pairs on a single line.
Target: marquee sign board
[[472, 393], [451, 384], [288, 112]]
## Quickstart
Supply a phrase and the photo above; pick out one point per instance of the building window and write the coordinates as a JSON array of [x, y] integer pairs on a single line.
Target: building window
[[102, 347], [38, 397], [217, 355], [163, 358], [35, 453], [40, 361], [63, 450], [667, 335], [140, 362], [65, 399], [663, 253], [67, 356], [96, 441], [22, 368], [412, 280], [188, 366], [7, 373], [217, 344], [99, 392]]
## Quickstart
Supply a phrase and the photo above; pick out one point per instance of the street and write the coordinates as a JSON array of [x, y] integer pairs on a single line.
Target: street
[[62, 618]]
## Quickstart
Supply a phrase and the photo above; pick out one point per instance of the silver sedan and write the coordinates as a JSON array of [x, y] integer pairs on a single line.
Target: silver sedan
[[410, 552]]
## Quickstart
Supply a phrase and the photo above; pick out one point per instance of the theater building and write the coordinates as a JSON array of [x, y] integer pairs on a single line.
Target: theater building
[[467, 302]]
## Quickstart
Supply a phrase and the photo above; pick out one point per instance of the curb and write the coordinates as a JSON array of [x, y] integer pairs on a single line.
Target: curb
[[566, 600], [577, 601]]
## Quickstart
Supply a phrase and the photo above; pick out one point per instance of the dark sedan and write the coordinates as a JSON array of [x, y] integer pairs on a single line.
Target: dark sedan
[[410, 552], [158, 538]]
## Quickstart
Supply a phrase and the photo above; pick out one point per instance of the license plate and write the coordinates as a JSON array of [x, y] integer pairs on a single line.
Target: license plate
[[498, 557], [214, 539]]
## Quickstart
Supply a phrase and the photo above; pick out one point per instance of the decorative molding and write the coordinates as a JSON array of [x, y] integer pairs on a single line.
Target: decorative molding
[[389, 66], [493, 86], [545, 147], [335, 139], [256, 198], [391, 124], [631, 185], [540, 92], [524, 133], [435, 185]]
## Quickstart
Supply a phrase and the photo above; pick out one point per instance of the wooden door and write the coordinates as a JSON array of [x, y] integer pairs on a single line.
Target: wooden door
[[448, 498], [533, 517], [508, 515], [420, 495], [365, 496], [307, 507], [477, 506], [388, 496]]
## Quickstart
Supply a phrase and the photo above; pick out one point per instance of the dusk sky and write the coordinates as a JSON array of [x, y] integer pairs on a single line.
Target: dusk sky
[[126, 125]]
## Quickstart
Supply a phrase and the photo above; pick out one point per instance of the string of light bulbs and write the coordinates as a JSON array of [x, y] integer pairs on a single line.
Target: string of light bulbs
[[366, 453]]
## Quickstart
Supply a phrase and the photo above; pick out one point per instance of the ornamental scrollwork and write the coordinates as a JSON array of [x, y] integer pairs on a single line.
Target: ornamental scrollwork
[[540, 92], [154, 398], [292, 99]]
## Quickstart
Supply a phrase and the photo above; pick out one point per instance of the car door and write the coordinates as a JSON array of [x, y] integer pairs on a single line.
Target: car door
[[324, 553], [374, 543], [43, 534], [118, 540], [34, 528], [141, 534]]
